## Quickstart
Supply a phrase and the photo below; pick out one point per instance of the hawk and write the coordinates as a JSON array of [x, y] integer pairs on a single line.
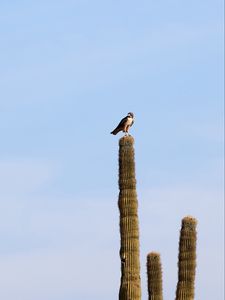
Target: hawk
[[124, 124]]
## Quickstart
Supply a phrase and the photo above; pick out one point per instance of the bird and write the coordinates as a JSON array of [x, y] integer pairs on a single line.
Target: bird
[[124, 124]]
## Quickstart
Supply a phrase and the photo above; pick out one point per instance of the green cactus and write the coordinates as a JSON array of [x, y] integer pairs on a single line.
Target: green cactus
[[130, 286], [187, 259], [154, 272]]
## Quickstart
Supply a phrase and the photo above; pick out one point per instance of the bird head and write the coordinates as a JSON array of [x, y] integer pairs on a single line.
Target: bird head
[[131, 115]]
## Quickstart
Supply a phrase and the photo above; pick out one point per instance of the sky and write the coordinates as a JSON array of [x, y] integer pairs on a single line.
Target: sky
[[69, 71]]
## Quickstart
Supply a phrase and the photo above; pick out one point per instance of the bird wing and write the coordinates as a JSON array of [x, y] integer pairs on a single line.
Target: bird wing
[[122, 122], [120, 126]]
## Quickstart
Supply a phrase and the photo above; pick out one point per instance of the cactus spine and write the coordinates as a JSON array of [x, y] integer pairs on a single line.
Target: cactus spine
[[154, 272], [187, 260], [130, 286]]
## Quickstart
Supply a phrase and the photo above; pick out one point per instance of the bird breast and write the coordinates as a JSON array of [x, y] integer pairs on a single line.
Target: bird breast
[[129, 121]]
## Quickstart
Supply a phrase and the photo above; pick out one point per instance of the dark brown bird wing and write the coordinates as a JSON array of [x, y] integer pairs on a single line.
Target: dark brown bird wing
[[122, 122], [120, 126]]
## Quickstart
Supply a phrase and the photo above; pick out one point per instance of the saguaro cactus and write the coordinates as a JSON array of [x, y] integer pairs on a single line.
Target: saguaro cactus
[[154, 272], [130, 288], [187, 260]]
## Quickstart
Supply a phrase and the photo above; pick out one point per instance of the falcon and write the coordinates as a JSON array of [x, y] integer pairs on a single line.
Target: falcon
[[124, 124]]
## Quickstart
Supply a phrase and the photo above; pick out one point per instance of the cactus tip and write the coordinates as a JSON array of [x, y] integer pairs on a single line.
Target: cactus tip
[[126, 140]]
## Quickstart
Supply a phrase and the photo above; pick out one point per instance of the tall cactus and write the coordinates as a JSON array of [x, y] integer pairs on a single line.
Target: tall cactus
[[130, 286], [187, 260], [154, 272]]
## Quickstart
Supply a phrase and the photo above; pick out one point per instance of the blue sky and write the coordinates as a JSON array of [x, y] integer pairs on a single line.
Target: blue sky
[[70, 70]]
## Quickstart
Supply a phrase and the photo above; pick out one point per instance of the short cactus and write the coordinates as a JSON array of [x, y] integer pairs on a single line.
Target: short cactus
[[130, 288], [187, 260], [154, 273]]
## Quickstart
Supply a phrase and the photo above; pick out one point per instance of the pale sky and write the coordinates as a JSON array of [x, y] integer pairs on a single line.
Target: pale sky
[[69, 71]]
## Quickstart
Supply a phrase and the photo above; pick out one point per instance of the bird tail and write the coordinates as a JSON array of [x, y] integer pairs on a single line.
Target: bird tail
[[115, 131]]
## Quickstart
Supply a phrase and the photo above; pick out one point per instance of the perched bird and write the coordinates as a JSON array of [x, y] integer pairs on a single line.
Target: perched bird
[[124, 124]]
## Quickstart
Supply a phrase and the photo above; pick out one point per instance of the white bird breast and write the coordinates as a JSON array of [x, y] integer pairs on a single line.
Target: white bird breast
[[129, 121]]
